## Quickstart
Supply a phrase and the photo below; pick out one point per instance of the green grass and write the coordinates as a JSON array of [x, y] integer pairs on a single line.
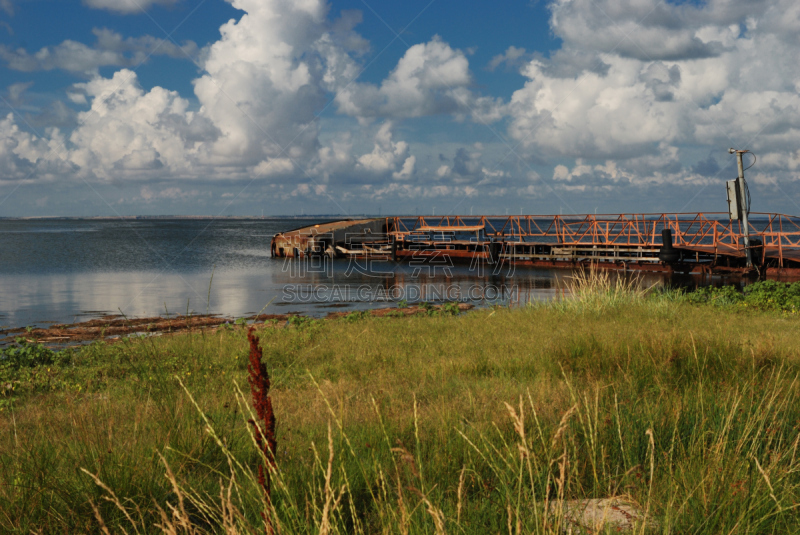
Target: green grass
[[471, 423], [762, 295]]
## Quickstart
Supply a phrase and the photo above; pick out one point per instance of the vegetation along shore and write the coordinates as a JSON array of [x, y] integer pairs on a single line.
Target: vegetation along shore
[[684, 406]]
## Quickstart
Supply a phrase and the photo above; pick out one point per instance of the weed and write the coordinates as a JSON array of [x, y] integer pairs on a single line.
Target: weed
[[356, 315], [264, 428], [722, 296], [25, 354], [761, 295], [26, 367], [450, 309], [302, 321]]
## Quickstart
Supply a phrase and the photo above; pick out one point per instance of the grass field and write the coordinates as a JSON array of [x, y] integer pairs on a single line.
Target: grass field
[[483, 422]]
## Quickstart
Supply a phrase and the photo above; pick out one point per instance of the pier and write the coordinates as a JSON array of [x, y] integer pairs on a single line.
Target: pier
[[701, 243]]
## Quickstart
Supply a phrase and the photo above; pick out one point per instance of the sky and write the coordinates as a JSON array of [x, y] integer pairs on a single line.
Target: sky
[[292, 107]]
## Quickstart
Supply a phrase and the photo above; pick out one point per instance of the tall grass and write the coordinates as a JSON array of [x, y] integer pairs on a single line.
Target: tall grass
[[494, 421], [597, 291]]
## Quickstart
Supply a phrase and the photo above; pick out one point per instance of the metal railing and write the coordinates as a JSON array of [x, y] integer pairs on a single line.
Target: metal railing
[[713, 231]]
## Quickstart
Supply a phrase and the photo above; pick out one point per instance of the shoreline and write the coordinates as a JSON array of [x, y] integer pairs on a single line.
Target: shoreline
[[114, 328], [172, 217]]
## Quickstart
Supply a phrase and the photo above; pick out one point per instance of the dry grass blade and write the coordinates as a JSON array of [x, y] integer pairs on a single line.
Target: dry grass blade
[[100, 520], [408, 459], [769, 484], [112, 497], [460, 495], [519, 423], [562, 426], [435, 513], [652, 447], [325, 524], [180, 517], [401, 503], [229, 514]]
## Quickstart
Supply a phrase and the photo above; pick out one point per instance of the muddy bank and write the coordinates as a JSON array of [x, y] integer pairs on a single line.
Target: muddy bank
[[110, 327], [115, 327]]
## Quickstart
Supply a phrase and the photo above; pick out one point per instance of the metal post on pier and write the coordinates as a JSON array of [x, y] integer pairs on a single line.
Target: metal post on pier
[[740, 208]]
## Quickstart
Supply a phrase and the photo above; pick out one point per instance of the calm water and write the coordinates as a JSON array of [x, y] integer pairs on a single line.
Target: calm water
[[72, 270]]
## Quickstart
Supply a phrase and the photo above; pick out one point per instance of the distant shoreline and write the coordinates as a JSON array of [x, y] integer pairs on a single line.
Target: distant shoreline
[[753, 217], [163, 217]]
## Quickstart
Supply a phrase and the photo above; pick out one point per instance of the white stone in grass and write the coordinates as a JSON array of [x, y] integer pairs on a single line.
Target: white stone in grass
[[603, 515]]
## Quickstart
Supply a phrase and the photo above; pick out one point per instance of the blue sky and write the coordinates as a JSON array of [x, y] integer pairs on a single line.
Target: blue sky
[[126, 107]]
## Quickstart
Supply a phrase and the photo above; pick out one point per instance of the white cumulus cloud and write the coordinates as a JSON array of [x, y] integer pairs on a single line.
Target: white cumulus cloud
[[111, 49], [127, 6], [647, 79], [641, 93], [388, 156], [430, 79]]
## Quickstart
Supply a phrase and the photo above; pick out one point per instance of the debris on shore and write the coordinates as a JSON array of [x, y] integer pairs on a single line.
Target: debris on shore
[[114, 328]]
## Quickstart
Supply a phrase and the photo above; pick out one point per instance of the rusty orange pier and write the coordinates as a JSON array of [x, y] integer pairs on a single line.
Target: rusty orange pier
[[706, 243]]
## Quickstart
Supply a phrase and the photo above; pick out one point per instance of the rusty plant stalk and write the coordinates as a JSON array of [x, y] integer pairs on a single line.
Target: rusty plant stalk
[[264, 428]]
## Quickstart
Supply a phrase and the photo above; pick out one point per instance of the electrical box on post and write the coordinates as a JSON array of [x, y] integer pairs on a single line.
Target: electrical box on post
[[733, 200]]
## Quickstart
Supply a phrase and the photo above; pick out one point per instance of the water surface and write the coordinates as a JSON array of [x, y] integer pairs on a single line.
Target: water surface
[[72, 270]]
